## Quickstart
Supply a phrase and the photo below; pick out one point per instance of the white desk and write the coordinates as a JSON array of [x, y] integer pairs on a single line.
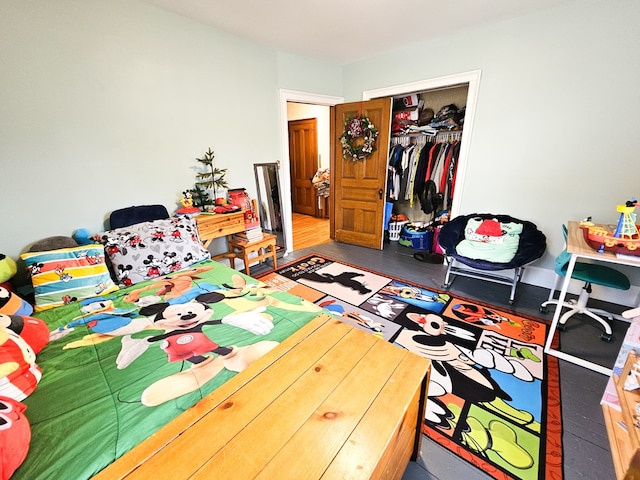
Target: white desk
[[579, 248]]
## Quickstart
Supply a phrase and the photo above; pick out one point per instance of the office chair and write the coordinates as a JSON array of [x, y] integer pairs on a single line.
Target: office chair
[[589, 273]]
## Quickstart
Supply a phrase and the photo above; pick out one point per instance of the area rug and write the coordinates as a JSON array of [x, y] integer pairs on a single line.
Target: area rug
[[493, 397]]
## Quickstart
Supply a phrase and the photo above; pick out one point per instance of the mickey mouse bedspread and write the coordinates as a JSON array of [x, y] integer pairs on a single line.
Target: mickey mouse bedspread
[[119, 367]]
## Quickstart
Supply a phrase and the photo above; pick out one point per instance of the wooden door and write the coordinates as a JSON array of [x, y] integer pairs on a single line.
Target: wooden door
[[358, 187], [303, 154]]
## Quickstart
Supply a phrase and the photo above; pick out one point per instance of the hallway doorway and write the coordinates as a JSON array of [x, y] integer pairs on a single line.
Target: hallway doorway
[[309, 145], [303, 103]]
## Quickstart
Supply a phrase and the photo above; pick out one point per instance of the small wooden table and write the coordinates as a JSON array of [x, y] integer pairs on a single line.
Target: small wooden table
[[330, 402], [263, 248]]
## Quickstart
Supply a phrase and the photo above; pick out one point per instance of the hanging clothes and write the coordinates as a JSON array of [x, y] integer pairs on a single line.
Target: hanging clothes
[[423, 171]]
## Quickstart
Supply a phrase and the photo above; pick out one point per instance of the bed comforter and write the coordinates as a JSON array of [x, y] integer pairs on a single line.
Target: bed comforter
[[119, 367]]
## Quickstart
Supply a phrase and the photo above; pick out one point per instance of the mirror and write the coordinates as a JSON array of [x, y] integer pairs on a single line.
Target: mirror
[[270, 201]]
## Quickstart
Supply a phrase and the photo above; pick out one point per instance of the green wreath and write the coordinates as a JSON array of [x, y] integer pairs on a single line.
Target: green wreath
[[359, 138]]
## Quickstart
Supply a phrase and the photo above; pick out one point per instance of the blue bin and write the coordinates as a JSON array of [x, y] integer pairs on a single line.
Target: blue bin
[[417, 238]]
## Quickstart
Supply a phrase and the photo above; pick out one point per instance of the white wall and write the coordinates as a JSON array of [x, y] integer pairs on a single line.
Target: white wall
[[105, 105], [555, 137]]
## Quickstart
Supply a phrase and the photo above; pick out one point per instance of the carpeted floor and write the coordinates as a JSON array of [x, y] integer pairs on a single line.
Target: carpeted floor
[[493, 395]]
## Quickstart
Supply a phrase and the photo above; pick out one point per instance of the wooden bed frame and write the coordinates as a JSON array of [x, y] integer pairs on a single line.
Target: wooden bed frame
[[331, 402]]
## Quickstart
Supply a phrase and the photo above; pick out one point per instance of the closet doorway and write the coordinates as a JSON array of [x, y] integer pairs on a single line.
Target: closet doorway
[[470, 81]]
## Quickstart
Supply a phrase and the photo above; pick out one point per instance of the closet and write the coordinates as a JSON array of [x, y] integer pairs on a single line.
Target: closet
[[359, 188], [426, 134]]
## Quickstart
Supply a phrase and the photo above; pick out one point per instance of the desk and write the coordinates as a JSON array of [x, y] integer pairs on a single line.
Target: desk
[[579, 248], [216, 225], [329, 402]]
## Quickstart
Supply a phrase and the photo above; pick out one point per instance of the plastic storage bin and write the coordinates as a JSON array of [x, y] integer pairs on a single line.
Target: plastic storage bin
[[395, 228], [416, 237]]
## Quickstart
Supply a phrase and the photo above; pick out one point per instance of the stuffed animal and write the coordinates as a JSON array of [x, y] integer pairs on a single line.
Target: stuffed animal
[[32, 330], [19, 373], [15, 438], [12, 304], [8, 269], [82, 236]]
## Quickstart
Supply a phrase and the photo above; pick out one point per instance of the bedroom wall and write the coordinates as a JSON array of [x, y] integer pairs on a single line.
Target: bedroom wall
[[105, 105], [554, 137]]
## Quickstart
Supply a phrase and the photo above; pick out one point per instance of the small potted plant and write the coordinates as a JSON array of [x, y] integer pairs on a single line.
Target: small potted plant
[[211, 177]]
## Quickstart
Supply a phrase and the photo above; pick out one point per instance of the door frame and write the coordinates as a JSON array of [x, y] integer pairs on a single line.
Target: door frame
[[285, 181], [472, 78]]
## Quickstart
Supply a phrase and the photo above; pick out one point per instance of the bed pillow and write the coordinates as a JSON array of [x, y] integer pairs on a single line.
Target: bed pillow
[[68, 274], [152, 249]]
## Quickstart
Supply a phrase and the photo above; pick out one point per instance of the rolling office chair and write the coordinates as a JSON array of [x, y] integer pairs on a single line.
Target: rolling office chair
[[590, 274]]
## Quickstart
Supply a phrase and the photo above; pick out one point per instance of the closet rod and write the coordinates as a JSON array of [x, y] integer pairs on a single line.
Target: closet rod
[[440, 137]]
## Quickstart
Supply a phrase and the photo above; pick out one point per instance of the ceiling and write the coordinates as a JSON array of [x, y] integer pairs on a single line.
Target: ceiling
[[346, 31]]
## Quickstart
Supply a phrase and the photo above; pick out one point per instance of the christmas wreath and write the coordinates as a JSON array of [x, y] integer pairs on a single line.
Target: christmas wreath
[[359, 138]]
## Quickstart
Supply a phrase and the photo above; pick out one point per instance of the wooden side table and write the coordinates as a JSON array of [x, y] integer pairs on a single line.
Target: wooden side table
[[264, 248]]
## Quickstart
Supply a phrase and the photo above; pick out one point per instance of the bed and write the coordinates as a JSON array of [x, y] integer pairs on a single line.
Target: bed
[[104, 389], [144, 330], [143, 325]]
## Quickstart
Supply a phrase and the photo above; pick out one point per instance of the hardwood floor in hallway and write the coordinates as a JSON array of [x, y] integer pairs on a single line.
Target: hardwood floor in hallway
[[309, 231]]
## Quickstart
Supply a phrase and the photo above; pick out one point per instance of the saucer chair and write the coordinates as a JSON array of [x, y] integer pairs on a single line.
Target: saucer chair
[[590, 273], [531, 246]]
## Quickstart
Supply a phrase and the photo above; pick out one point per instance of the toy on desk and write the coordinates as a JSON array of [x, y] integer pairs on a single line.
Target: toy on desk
[[627, 227], [187, 204], [625, 239]]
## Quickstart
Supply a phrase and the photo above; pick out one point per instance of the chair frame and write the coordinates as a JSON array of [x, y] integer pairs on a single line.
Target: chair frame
[[510, 280], [579, 307]]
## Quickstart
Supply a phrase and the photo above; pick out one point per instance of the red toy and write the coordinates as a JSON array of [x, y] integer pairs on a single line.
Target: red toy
[[19, 374], [15, 436], [32, 330]]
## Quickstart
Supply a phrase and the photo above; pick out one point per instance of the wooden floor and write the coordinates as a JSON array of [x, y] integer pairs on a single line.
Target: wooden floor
[[585, 443], [309, 231]]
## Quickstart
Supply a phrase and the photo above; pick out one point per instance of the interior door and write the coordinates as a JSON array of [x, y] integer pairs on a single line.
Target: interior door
[[358, 188], [303, 152]]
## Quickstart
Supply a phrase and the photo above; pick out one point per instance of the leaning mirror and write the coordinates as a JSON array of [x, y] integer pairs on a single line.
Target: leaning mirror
[[270, 201]]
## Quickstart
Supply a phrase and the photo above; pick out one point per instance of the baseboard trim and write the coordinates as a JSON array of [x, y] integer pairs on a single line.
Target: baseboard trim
[[543, 277]]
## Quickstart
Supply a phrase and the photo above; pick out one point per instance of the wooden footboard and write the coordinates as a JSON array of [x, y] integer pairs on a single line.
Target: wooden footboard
[[330, 402]]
